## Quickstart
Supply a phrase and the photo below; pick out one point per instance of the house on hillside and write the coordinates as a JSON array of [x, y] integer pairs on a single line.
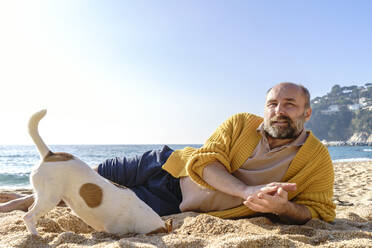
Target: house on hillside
[[369, 108], [364, 90], [331, 109], [347, 91], [363, 101], [354, 107]]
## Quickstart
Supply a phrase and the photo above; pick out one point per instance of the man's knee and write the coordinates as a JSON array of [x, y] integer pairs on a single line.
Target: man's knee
[[95, 168]]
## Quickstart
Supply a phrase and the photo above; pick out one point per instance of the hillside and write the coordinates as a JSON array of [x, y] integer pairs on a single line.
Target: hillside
[[344, 114]]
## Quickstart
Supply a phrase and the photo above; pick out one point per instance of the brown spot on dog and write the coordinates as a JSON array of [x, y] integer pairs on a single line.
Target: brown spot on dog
[[57, 157], [167, 229], [92, 194]]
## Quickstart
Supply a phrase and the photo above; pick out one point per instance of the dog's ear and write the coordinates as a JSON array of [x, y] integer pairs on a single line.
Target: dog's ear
[[167, 229], [159, 230], [169, 225]]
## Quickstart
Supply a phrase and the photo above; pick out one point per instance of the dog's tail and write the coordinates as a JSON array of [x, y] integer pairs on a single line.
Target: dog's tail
[[33, 131]]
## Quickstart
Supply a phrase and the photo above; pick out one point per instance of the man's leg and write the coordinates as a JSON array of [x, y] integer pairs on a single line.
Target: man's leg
[[145, 177], [20, 203], [8, 196]]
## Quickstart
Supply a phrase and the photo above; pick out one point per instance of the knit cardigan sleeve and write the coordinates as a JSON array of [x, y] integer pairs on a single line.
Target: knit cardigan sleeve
[[315, 180], [222, 146]]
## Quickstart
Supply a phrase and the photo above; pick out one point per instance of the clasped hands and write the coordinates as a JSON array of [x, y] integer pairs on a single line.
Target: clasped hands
[[269, 198]]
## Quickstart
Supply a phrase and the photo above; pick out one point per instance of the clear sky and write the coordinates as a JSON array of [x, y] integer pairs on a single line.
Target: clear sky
[[167, 72]]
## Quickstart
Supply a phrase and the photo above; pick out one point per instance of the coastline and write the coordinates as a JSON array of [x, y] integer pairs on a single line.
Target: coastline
[[345, 143], [351, 228]]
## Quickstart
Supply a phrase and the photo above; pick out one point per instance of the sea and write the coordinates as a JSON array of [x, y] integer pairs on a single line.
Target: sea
[[16, 161]]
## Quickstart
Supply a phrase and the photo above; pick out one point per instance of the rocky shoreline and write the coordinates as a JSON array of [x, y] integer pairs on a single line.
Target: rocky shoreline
[[358, 139], [345, 143]]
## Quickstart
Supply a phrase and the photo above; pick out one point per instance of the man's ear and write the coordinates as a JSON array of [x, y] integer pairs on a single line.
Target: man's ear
[[308, 112]]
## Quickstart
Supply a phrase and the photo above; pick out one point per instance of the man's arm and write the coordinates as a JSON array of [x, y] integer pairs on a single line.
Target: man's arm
[[218, 177], [270, 198]]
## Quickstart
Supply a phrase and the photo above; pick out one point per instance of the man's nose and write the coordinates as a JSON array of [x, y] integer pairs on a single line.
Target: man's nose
[[279, 110]]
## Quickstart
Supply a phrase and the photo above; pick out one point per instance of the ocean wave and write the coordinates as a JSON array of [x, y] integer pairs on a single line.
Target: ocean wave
[[352, 160], [14, 169], [19, 179], [367, 150], [14, 187], [11, 156]]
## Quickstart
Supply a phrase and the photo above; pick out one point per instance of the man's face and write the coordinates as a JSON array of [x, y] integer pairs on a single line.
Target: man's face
[[285, 112]]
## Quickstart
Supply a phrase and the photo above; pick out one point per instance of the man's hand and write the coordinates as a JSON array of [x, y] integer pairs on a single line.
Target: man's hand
[[270, 201], [270, 189]]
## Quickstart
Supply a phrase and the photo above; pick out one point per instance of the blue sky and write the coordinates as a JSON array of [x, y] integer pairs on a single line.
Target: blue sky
[[167, 72]]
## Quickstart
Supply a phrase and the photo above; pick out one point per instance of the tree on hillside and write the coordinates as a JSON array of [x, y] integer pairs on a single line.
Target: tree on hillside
[[363, 121], [336, 89], [333, 126], [341, 124]]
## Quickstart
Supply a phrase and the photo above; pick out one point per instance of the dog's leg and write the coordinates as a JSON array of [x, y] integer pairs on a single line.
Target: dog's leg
[[42, 205]]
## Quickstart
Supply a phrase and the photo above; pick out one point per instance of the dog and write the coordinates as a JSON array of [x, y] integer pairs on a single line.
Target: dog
[[100, 204]]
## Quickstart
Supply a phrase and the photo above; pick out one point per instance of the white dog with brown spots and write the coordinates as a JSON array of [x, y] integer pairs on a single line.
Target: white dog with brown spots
[[100, 204]]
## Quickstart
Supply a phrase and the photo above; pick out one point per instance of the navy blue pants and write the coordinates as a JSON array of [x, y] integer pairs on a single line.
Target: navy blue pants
[[145, 177]]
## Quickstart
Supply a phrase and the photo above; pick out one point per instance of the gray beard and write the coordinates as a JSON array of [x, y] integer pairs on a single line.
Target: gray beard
[[290, 132]]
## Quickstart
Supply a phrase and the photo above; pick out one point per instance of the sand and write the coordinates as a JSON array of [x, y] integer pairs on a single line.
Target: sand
[[351, 228]]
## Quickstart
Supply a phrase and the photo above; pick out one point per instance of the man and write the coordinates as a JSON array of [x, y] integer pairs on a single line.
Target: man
[[249, 165]]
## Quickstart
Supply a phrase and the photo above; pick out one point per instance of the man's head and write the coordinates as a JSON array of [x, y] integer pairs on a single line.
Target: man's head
[[287, 108]]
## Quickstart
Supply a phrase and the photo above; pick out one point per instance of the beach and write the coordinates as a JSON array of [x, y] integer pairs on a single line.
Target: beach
[[351, 228]]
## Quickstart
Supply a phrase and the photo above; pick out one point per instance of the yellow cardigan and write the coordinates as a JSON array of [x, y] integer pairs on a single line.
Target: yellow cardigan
[[235, 140]]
